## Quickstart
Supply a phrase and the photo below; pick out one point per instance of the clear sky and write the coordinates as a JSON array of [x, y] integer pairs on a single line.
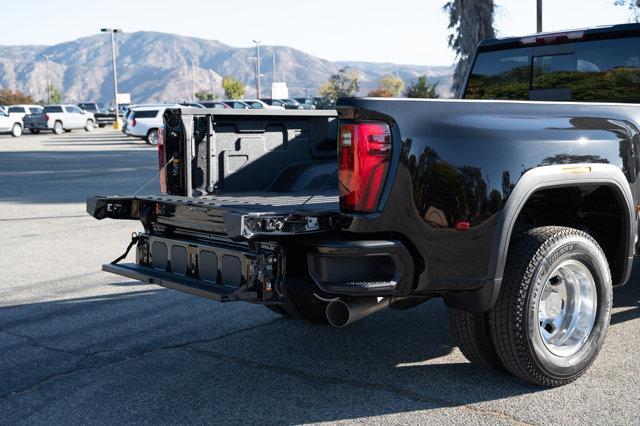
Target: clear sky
[[401, 31]]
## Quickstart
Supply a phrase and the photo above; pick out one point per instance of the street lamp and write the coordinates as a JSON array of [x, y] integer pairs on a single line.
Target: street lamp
[[257, 42], [539, 16], [273, 58], [193, 86], [112, 31]]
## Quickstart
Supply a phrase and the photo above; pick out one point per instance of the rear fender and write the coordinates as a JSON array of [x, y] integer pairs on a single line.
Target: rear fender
[[547, 177]]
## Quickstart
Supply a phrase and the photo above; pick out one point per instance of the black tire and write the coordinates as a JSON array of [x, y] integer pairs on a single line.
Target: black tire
[[34, 131], [471, 334], [514, 321], [101, 125], [67, 130]]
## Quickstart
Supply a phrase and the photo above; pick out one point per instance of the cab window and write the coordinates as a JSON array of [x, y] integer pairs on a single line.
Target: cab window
[[587, 71], [503, 74], [598, 71]]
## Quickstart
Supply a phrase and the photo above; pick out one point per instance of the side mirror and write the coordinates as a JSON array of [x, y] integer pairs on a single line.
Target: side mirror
[[82, 111]]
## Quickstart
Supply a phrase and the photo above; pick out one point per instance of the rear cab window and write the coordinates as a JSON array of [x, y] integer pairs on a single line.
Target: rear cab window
[[16, 109], [587, 71], [53, 108], [88, 107]]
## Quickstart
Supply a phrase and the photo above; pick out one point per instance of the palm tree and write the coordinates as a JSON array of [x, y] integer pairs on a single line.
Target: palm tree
[[470, 22]]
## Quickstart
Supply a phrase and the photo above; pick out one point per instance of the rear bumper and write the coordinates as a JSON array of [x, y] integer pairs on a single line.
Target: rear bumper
[[221, 272], [104, 119], [224, 271], [198, 257], [37, 126], [361, 267]]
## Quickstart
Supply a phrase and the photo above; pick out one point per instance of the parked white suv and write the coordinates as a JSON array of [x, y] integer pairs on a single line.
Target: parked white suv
[[11, 118], [19, 111], [60, 118], [144, 122]]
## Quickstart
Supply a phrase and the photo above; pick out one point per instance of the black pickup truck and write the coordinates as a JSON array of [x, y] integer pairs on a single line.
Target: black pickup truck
[[102, 114], [520, 213]]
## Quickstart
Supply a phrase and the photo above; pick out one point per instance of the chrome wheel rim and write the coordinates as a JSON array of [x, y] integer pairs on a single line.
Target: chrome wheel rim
[[89, 125], [153, 138], [567, 308], [57, 128], [17, 129]]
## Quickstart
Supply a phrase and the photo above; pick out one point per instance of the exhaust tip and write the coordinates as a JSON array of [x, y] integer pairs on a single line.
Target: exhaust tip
[[338, 313]]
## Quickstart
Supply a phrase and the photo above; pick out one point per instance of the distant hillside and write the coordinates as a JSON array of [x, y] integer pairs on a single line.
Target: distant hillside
[[156, 66]]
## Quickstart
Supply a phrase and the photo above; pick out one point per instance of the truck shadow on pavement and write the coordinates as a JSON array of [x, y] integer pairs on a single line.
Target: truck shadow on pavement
[[163, 356]]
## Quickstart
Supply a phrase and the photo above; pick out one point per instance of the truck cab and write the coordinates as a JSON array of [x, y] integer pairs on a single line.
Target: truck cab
[[588, 65]]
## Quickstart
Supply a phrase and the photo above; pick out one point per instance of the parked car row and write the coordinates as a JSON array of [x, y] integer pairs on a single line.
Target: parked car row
[[264, 103], [58, 119], [140, 121], [15, 119]]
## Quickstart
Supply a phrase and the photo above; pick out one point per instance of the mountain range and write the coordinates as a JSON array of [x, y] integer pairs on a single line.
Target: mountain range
[[155, 66]]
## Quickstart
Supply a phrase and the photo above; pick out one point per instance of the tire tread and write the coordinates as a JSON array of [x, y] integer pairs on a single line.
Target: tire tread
[[471, 334], [506, 318]]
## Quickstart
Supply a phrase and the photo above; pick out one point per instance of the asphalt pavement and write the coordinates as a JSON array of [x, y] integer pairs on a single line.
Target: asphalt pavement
[[78, 345]]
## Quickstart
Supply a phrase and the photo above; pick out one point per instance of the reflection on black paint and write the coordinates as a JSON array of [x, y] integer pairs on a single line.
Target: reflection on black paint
[[461, 160], [445, 193]]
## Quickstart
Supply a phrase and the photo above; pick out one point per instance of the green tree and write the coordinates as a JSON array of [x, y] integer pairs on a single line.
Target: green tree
[[392, 84], [470, 22], [233, 88], [54, 94], [9, 97], [342, 84], [421, 89], [203, 95]]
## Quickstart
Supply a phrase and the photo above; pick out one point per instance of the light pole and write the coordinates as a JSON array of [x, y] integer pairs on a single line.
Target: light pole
[[273, 57], [112, 31], [257, 42], [539, 16], [48, 88], [193, 84]]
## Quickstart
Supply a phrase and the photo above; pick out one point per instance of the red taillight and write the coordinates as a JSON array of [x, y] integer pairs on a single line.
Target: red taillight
[[133, 122], [162, 160], [46, 117], [364, 150]]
